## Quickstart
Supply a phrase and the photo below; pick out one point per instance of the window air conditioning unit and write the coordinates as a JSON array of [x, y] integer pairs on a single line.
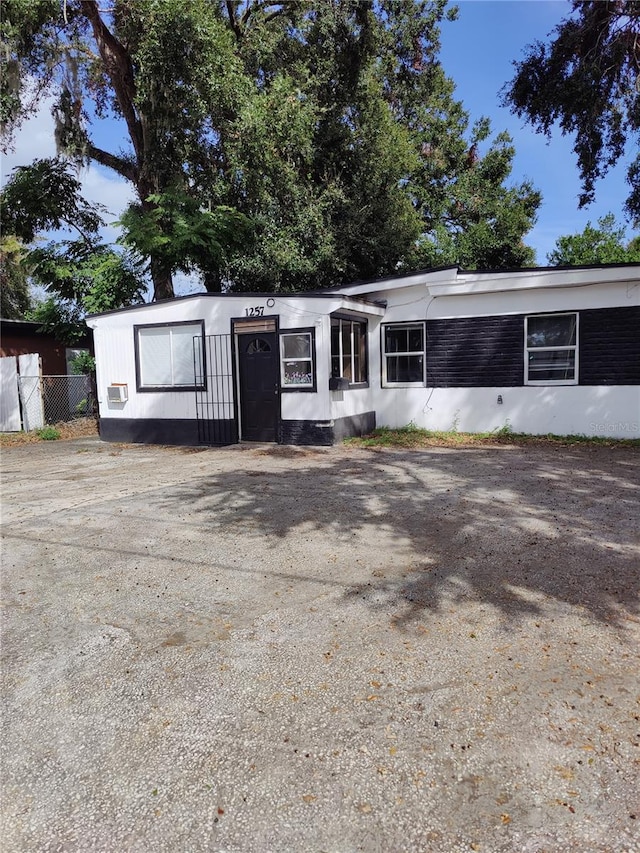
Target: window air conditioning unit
[[117, 393]]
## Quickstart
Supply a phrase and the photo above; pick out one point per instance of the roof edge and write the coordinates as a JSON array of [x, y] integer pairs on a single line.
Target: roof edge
[[265, 294], [374, 284]]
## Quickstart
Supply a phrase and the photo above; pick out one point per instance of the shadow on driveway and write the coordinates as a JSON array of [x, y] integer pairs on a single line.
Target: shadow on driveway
[[508, 527]]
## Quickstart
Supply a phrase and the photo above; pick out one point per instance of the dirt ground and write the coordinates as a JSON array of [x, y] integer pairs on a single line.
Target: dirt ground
[[283, 649], [78, 428]]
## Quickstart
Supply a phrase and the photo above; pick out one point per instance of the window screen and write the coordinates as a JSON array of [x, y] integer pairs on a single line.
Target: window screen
[[166, 356], [404, 358], [296, 360], [551, 349]]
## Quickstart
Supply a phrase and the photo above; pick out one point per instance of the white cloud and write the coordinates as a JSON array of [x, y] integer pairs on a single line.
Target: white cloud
[[114, 193], [33, 139]]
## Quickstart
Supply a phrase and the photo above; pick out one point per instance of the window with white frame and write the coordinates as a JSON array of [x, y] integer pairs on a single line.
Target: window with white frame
[[403, 356], [551, 349], [170, 356], [297, 360], [349, 350]]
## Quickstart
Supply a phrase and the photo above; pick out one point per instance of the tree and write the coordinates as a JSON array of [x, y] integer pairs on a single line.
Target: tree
[[82, 278], [81, 275], [602, 245], [183, 237], [587, 79], [331, 127], [355, 160], [318, 160], [482, 223], [166, 70]]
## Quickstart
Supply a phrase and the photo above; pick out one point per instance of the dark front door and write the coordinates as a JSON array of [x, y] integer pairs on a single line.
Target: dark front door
[[259, 402]]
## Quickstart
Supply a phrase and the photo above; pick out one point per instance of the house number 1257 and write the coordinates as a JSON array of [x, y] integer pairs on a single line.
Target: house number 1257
[[254, 311]]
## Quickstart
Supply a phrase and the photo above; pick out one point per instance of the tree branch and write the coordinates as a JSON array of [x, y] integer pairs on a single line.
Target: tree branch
[[85, 236], [112, 161], [117, 65], [233, 20], [262, 4]]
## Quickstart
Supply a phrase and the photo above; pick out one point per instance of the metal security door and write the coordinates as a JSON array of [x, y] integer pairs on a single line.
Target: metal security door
[[213, 371], [259, 391]]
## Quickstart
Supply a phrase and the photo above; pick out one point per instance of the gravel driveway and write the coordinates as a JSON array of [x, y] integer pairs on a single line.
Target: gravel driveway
[[283, 649]]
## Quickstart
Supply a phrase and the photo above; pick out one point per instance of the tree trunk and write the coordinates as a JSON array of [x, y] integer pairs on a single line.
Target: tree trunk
[[212, 281], [162, 280]]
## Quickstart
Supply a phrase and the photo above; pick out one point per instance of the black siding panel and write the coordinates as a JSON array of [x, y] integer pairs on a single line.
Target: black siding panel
[[185, 432], [609, 343], [307, 433], [475, 352], [354, 425], [164, 431], [325, 434]]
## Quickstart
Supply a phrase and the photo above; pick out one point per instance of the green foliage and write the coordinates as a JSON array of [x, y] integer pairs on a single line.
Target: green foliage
[[172, 228], [82, 276], [355, 160], [83, 364], [586, 81], [482, 222], [59, 317], [505, 429], [48, 433], [27, 33], [109, 279], [167, 71], [15, 296], [87, 272], [331, 127], [83, 279], [602, 245], [45, 196]]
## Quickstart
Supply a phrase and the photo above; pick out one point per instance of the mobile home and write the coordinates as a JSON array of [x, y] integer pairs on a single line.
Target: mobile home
[[537, 351]]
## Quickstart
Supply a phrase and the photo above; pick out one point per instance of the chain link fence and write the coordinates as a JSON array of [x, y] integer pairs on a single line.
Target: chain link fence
[[55, 399], [66, 397]]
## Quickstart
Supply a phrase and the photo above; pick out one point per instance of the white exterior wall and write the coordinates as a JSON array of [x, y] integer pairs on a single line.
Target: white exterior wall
[[306, 405], [116, 364], [612, 411], [115, 352]]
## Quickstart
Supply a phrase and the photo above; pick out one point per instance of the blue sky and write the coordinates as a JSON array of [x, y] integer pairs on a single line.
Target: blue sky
[[477, 52]]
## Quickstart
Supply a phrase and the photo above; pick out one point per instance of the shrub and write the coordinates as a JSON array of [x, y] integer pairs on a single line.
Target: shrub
[[48, 433], [83, 363]]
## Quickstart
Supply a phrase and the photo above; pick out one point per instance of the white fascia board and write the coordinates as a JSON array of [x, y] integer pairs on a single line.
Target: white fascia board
[[419, 279], [470, 283], [358, 307], [341, 302]]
